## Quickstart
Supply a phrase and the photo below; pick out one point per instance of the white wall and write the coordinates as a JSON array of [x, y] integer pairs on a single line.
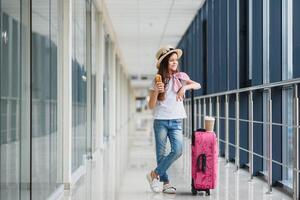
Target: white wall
[[102, 174]]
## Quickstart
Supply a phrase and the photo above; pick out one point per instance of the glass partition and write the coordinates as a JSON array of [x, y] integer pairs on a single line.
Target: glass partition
[[79, 84], [10, 99], [45, 178]]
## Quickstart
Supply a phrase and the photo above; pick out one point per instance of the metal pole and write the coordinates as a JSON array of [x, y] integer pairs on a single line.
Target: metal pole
[[204, 110], [189, 120], [296, 145], [250, 129], [237, 132], [226, 130], [199, 111], [270, 143], [185, 120], [195, 115], [210, 107], [218, 124], [192, 112]]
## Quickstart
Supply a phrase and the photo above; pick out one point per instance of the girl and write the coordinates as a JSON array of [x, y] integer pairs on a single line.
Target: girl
[[168, 114]]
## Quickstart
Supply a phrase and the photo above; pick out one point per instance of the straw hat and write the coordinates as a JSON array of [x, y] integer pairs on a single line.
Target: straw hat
[[164, 51]]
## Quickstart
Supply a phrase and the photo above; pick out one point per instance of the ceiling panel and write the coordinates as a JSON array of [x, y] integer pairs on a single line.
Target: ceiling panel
[[142, 26]]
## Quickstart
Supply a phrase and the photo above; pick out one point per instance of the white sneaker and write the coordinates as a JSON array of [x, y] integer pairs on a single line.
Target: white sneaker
[[168, 189], [154, 183]]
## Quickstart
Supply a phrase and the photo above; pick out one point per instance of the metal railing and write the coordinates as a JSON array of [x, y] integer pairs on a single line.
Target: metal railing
[[200, 110]]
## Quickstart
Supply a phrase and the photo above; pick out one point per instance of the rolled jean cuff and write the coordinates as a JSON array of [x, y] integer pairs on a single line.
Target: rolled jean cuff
[[164, 180]]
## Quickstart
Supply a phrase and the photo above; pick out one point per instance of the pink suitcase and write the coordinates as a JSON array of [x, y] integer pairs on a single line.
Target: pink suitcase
[[204, 161]]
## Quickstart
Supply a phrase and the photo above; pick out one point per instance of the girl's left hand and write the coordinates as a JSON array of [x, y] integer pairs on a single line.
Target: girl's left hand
[[181, 94]]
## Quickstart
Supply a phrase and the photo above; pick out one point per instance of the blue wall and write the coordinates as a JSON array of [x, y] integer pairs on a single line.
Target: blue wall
[[232, 58], [211, 53]]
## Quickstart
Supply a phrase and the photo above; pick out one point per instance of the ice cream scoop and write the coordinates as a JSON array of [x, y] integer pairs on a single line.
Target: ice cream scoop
[[158, 78]]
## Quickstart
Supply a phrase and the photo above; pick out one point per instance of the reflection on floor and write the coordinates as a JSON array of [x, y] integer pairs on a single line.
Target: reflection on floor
[[101, 185], [231, 184]]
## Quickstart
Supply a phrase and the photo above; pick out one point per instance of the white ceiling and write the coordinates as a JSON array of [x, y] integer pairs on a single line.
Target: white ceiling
[[142, 26]]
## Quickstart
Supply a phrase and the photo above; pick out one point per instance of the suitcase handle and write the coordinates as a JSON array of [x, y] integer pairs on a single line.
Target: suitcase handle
[[192, 117], [201, 159]]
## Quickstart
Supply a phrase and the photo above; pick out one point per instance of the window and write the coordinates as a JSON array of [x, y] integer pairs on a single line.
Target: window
[[106, 89], [266, 79], [45, 162], [79, 84], [10, 99], [287, 136], [287, 94], [265, 132], [95, 34]]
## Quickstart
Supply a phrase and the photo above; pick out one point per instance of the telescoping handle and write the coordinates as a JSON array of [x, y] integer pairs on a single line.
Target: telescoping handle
[[192, 110], [192, 117]]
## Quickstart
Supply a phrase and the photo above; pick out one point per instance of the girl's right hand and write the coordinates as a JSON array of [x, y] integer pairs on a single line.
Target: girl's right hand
[[159, 87]]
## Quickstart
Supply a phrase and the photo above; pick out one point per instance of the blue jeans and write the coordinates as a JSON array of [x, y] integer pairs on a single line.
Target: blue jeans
[[164, 129]]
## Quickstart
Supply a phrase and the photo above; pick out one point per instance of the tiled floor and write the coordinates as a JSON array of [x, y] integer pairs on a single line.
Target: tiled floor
[[231, 185]]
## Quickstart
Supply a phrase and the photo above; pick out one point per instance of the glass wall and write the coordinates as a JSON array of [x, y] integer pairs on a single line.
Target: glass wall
[[31, 156], [95, 34], [287, 95], [79, 84], [265, 18], [287, 136], [10, 99], [44, 98]]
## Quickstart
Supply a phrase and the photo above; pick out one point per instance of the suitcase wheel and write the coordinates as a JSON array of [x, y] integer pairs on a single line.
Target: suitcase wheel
[[207, 192], [194, 192]]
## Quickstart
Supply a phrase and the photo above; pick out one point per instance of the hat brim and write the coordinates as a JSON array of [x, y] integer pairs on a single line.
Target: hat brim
[[177, 51]]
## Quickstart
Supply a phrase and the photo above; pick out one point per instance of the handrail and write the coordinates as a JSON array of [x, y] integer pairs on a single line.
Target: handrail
[[268, 122], [253, 88]]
